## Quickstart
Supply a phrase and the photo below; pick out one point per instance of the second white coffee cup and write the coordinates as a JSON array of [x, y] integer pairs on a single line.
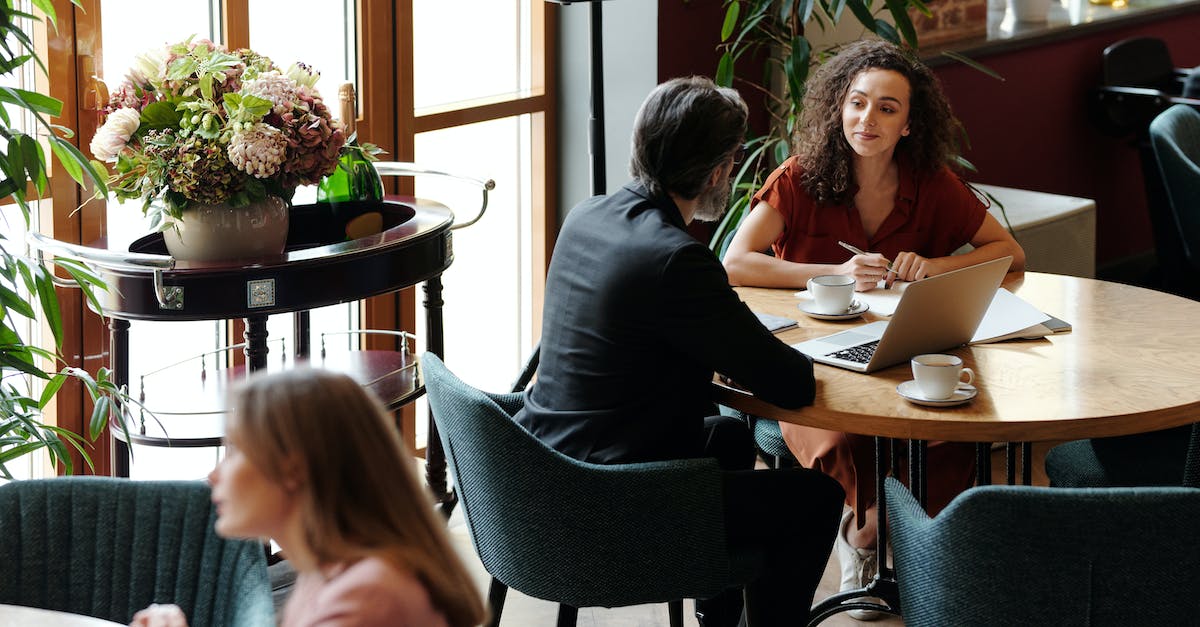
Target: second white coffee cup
[[939, 375], [831, 293]]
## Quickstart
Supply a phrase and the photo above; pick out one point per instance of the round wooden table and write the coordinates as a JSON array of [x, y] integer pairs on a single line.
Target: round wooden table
[[1127, 366]]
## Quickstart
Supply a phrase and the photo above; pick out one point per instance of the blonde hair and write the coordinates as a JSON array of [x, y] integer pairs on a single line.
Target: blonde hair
[[360, 496]]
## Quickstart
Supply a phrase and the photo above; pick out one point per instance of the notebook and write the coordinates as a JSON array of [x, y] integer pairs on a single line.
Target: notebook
[[934, 314]]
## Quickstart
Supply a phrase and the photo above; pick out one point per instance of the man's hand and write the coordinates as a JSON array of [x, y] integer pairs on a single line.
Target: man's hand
[[160, 616]]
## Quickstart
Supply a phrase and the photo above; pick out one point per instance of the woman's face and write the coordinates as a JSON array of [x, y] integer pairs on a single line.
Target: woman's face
[[875, 113], [249, 505]]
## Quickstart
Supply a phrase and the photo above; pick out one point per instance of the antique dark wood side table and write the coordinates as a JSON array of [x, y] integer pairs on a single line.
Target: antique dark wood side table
[[148, 285]]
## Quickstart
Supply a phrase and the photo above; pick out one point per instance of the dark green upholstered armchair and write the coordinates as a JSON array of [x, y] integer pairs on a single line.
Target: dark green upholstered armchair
[[574, 533], [109, 547], [1021, 555]]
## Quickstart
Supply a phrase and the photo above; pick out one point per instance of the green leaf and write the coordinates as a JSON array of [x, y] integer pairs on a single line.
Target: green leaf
[[61, 150], [47, 7], [806, 10], [731, 18], [899, 11], [795, 67], [724, 76], [13, 301], [87, 281], [99, 420], [15, 361], [887, 31], [922, 7], [49, 300], [31, 100], [974, 64], [860, 11], [52, 387], [206, 86], [34, 158], [158, 115], [8, 65]]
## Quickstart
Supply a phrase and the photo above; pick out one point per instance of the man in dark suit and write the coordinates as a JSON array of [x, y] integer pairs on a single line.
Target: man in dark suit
[[638, 316]]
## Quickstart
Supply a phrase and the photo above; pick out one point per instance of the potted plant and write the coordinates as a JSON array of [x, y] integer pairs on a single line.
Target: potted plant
[[214, 144], [26, 284]]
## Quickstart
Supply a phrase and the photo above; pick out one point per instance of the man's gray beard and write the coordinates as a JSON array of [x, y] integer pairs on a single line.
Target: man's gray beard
[[713, 202]]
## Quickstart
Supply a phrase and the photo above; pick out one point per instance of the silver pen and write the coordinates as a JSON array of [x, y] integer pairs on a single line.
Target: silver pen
[[857, 251]]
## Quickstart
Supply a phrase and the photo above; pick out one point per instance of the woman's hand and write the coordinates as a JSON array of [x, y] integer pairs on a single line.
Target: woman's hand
[[160, 616], [867, 270], [913, 267]]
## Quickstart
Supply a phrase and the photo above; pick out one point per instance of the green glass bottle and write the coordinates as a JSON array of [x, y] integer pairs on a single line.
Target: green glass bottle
[[354, 191]]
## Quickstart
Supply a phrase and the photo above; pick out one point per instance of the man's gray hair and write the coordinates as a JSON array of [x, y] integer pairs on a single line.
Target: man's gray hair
[[685, 129]]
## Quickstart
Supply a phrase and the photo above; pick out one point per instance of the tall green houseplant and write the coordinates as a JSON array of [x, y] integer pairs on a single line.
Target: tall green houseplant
[[765, 48], [31, 375]]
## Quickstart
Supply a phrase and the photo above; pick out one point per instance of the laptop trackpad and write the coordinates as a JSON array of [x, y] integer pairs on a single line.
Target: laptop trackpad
[[849, 338]]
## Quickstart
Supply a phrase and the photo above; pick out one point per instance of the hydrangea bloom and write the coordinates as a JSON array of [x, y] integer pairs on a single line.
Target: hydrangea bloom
[[258, 151]]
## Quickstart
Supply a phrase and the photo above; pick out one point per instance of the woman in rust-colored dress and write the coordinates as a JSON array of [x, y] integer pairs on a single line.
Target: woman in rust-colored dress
[[872, 169]]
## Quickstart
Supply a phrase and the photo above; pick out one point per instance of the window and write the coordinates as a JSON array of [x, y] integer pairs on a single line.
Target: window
[[424, 97]]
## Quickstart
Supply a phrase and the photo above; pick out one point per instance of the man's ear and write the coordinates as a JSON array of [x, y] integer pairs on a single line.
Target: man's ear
[[714, 177]]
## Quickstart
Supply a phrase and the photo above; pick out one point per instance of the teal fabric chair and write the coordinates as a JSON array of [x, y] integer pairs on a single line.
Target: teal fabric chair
[[108, 547], [574, 533], [1021, 555], [1145, 459], [1175, 138]]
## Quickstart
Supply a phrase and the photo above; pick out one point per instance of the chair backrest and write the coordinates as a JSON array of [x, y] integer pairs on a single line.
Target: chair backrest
[[109, 547], [1139, 62], [1021, 555], [572, 532], [1175, 138]]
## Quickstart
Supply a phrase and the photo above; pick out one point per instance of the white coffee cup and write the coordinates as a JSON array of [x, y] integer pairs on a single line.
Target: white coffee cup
[[831, 293], [939, 375]]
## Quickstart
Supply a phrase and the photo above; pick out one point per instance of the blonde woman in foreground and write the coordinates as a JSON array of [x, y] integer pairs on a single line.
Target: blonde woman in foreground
[[314, 462]]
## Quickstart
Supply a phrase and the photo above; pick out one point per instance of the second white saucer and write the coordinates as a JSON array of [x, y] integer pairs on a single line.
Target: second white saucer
[[857, 308], [912, 393]]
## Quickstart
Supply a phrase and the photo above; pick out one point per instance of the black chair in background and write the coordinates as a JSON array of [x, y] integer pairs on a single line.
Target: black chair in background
[[1140, 81]]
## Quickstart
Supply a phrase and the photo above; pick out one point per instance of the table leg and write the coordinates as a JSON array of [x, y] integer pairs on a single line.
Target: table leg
[[884, 585], [256, 342], [1010, 462], [983, 463], [435, 457], [1027, 463], [118, 361], [301, 333]]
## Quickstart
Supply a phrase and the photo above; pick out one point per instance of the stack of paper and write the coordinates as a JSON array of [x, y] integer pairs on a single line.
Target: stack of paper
[[1009, 317]]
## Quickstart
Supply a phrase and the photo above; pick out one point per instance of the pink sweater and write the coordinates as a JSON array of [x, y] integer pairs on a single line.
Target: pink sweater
[[367, 593]]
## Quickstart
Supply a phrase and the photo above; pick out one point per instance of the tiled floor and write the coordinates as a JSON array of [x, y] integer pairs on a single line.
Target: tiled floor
[[523, 611]]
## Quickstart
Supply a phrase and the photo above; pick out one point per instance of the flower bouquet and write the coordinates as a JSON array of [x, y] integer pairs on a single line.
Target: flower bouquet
[[195, 125]]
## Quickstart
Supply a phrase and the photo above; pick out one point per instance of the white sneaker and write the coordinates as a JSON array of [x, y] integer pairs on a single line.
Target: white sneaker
[[858, 568]]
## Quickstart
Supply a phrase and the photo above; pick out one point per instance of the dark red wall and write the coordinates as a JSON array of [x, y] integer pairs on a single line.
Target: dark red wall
[[1031, 131]]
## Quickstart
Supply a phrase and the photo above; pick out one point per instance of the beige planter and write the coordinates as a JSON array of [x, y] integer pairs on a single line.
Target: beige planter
[[223, 233]]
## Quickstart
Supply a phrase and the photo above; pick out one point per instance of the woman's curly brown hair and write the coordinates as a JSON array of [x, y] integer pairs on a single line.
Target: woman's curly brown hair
[[821, 145]]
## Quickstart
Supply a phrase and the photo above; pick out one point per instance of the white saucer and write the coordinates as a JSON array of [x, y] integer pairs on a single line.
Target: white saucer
[[857, 308], [911, 392]]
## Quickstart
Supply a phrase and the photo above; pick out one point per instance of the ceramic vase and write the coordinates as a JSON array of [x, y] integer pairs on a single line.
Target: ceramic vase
[[224, 233]]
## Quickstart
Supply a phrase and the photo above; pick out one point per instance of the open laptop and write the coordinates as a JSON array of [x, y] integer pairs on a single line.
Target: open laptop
[[934, 314]]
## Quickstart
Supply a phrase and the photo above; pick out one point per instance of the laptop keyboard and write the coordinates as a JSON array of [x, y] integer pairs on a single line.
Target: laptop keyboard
[[860, 354]]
